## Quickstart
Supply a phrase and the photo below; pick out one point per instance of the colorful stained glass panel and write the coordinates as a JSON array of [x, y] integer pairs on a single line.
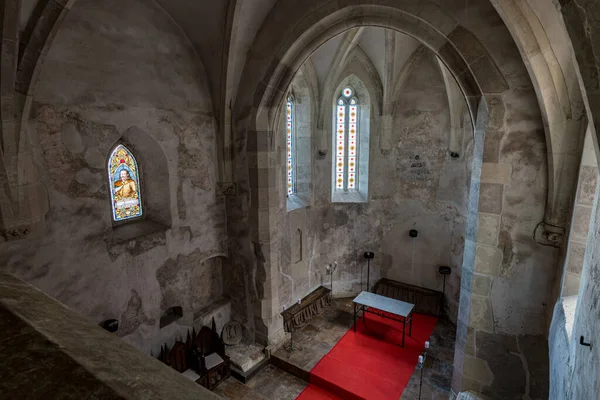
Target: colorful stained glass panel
[[124, 184], [290, 144], [352, 144], [346, 141], [341, 145]]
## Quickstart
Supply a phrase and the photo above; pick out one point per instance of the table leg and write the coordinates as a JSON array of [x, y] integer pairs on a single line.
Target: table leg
[[410, 331], [354, 319], [403, 330]]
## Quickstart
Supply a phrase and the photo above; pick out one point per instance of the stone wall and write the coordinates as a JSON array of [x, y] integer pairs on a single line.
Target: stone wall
[[583, 379], [417, 185], [127, 74], [71, 358], [580, 224], [429, 187], [507, 275]]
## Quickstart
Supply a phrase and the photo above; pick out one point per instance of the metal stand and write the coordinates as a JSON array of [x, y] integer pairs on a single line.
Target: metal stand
[[421, 382], [368, 274], [421, 367], [369, 256]]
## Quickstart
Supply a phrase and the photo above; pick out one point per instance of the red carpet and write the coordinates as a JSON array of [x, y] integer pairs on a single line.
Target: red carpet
[[369, 363]]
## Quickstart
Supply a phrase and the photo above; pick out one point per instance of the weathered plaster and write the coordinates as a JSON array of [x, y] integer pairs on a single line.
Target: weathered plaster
[[101, 84]]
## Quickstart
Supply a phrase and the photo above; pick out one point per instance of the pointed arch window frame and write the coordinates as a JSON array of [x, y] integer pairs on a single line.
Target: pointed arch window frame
[[291, 145], [116, 164], [346, 119]]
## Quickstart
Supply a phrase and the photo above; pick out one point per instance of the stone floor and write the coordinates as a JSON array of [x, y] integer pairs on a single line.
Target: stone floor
[[317, 338], [269, 384], [437, 373]]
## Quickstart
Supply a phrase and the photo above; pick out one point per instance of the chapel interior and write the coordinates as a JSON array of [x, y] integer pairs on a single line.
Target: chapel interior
[[235, 199]]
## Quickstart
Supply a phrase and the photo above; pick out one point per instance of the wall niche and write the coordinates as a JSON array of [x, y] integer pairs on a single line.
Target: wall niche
[[171, 315], [154, 184]]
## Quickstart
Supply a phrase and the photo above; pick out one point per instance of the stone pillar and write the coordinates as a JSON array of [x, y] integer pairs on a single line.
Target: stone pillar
[[23, 198], [463, 362], [265, 178], [487, 359], [385, 141]]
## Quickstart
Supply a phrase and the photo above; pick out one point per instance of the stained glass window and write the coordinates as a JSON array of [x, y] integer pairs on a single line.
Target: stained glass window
[[291, 134], [346, 155], [124, 182]]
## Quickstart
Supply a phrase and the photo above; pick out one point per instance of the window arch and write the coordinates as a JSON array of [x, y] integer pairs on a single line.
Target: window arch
[[124, 183], [347, 141], [291, 146]]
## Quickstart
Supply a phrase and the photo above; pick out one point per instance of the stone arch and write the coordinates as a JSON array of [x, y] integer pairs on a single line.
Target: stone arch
[[348, 43], [304, 90], [547, 58], [359, 64], [154, 173], [458, 108], [267, 74], [457, 113], [575, 371], [369, 110], [304, 40]]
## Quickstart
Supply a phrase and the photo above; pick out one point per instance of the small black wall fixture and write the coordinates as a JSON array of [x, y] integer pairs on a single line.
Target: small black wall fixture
[[413, 233], [111, 325], [581, 342]]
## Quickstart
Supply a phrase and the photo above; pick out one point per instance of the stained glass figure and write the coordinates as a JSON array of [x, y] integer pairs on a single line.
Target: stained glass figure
[[124, 179], [291, 184], [346, 157]]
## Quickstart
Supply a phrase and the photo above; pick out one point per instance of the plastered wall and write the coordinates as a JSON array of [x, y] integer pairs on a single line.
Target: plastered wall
[[417, 185], [125, 74]]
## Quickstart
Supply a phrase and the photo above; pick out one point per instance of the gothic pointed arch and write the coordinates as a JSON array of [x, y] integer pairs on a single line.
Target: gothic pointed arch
[[295, 122], [351, 130], [124, 184]]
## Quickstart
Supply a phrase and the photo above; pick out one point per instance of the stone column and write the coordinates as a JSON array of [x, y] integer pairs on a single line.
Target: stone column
[[463, 348], [488, 359], [266, 183], [23, 198], [385, 142]]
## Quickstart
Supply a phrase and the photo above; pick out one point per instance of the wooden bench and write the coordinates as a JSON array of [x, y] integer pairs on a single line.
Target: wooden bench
[[298, 315], [426, 301]]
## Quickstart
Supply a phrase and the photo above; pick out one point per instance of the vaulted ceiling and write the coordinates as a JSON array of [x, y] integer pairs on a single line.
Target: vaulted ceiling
[[372, 43]]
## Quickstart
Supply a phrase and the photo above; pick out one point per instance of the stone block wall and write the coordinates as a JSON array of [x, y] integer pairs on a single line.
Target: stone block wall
[[580, 224], [501, 349], [428, 193]]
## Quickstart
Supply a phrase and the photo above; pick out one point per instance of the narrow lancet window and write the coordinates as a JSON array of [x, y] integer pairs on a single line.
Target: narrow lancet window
[[124, 182], [347, 141], [291, 134]]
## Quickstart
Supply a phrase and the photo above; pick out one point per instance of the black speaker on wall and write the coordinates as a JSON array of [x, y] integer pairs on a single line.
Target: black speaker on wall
[[111, 325]]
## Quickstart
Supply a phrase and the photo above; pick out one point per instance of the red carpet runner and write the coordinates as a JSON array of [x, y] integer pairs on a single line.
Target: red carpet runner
[[370, 364]]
